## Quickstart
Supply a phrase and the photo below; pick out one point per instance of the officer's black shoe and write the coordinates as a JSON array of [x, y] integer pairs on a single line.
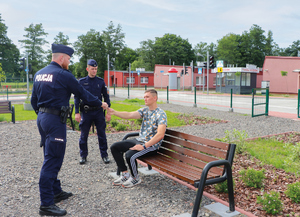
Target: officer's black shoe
[[62, 196], [52, 210], [82, 160], [106, 160]]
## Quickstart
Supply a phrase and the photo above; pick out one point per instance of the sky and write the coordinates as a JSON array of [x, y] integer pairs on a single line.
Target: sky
[[194, 20]]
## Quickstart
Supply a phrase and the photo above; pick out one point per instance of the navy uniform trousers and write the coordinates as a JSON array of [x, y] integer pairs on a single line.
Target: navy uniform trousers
[[85, 125], [53, 136]]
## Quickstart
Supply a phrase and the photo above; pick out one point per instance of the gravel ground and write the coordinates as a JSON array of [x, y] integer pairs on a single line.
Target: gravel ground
[[94, 195]]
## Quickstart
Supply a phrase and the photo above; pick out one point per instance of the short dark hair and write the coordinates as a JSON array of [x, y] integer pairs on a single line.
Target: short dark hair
[[152, 91]]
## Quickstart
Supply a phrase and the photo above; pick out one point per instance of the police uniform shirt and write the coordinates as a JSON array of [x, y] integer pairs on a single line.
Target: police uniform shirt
[[95, 86], [53, 86]]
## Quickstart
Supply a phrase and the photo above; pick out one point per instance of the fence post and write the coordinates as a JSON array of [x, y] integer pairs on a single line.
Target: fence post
[[195, 103], [114, 89], [267, 102], [252, 103], [167, 94], [298, 103], [128, 91], [145, 87], [7, 92], [231, 109]]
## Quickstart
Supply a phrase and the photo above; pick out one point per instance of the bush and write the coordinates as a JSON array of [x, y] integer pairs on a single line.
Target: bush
[[253, 178], [293, 192], [222, 187], [114, 123], [237, 137], [271, 202], [121, 127]]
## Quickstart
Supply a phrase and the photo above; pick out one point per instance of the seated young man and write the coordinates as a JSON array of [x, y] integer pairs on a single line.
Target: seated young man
[[152, 132]]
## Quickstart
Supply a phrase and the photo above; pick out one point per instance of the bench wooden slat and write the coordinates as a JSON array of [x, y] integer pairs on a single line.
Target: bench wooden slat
[[189, 152], [206, 149], [185, 168], [191, 161], [213, 143]]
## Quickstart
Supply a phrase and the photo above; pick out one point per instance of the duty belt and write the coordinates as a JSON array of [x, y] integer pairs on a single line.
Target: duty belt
[[89, 108], [49, 110]]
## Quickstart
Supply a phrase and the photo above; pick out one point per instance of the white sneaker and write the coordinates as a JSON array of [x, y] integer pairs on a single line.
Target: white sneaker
[[120, 180], [131, 182]]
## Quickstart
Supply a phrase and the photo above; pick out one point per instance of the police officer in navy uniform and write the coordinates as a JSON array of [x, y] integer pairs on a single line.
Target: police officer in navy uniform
[[89, 114], [51, 93]]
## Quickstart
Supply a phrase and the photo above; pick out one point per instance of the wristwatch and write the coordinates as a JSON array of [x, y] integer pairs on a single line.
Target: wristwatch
[[144, 146]]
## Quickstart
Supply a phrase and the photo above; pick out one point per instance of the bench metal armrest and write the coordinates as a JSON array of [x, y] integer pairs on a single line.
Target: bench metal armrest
[[227, 175], [130, 135]]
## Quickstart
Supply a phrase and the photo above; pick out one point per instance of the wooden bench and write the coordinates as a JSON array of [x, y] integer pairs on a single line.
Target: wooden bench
[[196, 160], [6, 107]]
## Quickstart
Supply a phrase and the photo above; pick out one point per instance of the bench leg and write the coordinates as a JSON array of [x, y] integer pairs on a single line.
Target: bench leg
[[230, 189], [149, 167], [13, 114]]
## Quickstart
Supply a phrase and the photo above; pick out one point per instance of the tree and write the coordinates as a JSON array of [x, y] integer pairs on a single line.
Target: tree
[[147, 53], [33, 45], [201, 50], [228, 49], [126, 56], [90, 46], [2, 74], [293, 49], [9, 53], [174, 48], [114, 40]]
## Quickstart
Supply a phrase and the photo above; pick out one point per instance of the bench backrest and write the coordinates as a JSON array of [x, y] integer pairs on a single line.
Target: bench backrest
[[194, 150], [5, 107]]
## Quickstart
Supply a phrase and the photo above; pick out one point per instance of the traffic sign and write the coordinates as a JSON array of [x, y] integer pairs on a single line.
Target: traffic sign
[[220, 69], [199, 70], [162, 71], [220, 63]]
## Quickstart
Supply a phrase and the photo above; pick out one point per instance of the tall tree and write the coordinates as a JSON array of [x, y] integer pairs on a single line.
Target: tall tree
[[114, 40], [174, 48], [294, 49], [9, 53], [228, 49], [147, 53], [33, 45], [126, 56], [90, 46]]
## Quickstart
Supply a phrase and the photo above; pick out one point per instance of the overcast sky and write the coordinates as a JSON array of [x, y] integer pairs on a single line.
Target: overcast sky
[[195, 20]]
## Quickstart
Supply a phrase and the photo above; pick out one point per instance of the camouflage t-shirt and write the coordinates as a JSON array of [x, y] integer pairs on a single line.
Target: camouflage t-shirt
[[151, 120]]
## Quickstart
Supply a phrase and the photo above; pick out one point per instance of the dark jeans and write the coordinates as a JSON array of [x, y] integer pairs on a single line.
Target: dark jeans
[[119, 148]]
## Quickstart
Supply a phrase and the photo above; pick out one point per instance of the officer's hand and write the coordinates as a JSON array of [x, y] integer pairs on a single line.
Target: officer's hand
[[104, 105], [107, 117], [77, 117]]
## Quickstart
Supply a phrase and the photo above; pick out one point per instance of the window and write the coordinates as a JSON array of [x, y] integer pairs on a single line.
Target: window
[[131, 81], [230, 79], [199, 81], [144, 80], [245, 79]]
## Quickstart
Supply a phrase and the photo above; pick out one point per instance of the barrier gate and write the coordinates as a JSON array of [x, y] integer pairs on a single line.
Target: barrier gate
[[260, 103]]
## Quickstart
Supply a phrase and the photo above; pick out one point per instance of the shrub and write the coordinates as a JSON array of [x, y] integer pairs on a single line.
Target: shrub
[[114, 123], [121, 127], [222, 187], [293, 192], [271, 202], [293, 159], [253, 178], [237, 137]]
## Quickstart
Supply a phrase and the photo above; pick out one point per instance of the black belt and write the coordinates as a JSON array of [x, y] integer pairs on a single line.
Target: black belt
[[89, 108], [49, 110]]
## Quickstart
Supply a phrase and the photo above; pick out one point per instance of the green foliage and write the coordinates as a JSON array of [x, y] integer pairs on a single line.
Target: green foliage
[[238, 74], [276, 153], [121, 127], [237, 137], [222, 187], [21, 114], [293, 159], [293, 192], [253, 178], [271, 202], [114, 123], [283, 73]]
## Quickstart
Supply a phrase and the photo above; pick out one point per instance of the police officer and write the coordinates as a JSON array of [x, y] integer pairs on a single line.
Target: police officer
[[89, 114], [51, 93]]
